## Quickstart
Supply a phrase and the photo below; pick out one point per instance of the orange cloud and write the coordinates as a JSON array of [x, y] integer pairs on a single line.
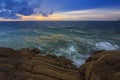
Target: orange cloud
[[42, 18]]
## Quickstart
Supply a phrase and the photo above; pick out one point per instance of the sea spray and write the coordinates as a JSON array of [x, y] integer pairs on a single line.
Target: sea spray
[[106, 46], [72, 54]]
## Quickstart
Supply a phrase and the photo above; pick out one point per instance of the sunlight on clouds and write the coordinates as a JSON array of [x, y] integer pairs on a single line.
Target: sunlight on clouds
[[2, 19], [39, 17], [93, 14]]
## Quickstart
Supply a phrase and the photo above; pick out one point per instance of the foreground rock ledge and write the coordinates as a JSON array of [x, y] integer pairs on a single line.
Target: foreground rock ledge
[[103, 65], [30, 64]]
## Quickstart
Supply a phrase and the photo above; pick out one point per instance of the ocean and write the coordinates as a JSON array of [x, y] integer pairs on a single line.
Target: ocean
[[75, 40]]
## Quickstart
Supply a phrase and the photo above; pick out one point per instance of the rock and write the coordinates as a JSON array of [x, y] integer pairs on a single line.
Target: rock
[[104, 65], [36, 51], [31, 64], [6, 52], [26, 64]]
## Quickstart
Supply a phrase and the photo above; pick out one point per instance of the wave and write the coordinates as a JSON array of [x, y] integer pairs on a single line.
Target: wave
[[106, 46], [78, 57], [72, 54]]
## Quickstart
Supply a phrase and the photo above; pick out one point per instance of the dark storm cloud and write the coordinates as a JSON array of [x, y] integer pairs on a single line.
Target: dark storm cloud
[[11, 8]]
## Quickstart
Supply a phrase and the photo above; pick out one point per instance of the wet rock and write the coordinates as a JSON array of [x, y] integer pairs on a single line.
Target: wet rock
[[36, 51]]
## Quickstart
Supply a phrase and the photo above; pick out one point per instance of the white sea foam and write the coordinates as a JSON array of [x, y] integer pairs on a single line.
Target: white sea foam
[[78, 59], [72, 54], [40, 48], [106, 46]]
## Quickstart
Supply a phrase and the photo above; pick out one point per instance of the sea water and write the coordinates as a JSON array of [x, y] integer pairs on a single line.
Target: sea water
[[72, 39]]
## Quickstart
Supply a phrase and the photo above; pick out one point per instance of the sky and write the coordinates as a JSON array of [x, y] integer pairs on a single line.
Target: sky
[[59, 10]]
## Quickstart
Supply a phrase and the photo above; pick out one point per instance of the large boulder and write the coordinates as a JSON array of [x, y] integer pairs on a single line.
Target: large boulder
[[102, 65]]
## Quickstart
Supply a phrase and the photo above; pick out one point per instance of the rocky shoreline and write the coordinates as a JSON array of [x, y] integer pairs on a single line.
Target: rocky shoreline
[[30, 64]]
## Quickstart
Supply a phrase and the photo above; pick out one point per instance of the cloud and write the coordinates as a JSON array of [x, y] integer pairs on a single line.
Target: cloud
[[91, 14], [78, 15], [82, 15], [9, 9]]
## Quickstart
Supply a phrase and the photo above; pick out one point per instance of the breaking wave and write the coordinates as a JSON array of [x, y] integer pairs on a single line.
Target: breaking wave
[[106, 46], [72, 54], [72, 51]]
